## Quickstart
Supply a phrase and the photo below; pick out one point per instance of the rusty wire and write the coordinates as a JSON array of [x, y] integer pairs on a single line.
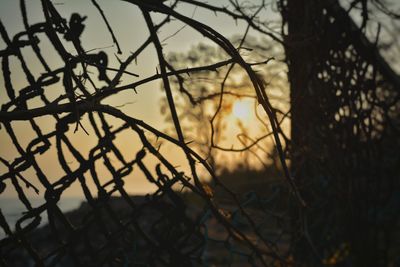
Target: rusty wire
[[358, 120], [162, 229]]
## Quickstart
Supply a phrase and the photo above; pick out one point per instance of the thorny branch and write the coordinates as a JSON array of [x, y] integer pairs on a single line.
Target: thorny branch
[[80, 103]]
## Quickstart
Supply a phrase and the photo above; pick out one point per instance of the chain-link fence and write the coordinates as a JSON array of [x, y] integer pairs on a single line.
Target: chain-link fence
[[349, 201]]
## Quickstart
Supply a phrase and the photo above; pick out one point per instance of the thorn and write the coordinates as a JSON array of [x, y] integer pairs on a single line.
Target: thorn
[[76, 126], [119, 60], [78, 123]]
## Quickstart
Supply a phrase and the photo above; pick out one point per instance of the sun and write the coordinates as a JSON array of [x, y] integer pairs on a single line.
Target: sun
[[242, 109]]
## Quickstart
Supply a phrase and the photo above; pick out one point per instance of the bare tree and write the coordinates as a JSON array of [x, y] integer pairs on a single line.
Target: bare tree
[[340, 163], [162, 229], [208, 99], [345, 123]]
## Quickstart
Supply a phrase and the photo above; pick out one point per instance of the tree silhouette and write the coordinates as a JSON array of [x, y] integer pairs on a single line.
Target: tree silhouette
[[164, 228], [338, 199], [208, 97], [345, 122]]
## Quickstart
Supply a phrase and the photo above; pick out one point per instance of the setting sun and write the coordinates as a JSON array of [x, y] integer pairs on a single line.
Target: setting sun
[[242, 109]]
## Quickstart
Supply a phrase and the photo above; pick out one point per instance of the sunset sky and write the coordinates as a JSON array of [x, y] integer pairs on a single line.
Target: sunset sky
[[131, 31]]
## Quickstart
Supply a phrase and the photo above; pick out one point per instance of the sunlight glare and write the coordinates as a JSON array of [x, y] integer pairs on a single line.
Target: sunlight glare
[[242, 109]]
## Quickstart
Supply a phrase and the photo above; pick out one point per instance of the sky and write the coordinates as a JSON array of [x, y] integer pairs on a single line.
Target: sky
[[130, 30]]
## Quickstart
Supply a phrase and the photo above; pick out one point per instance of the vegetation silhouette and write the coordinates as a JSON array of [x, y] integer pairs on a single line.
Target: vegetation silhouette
[[325, 193]]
